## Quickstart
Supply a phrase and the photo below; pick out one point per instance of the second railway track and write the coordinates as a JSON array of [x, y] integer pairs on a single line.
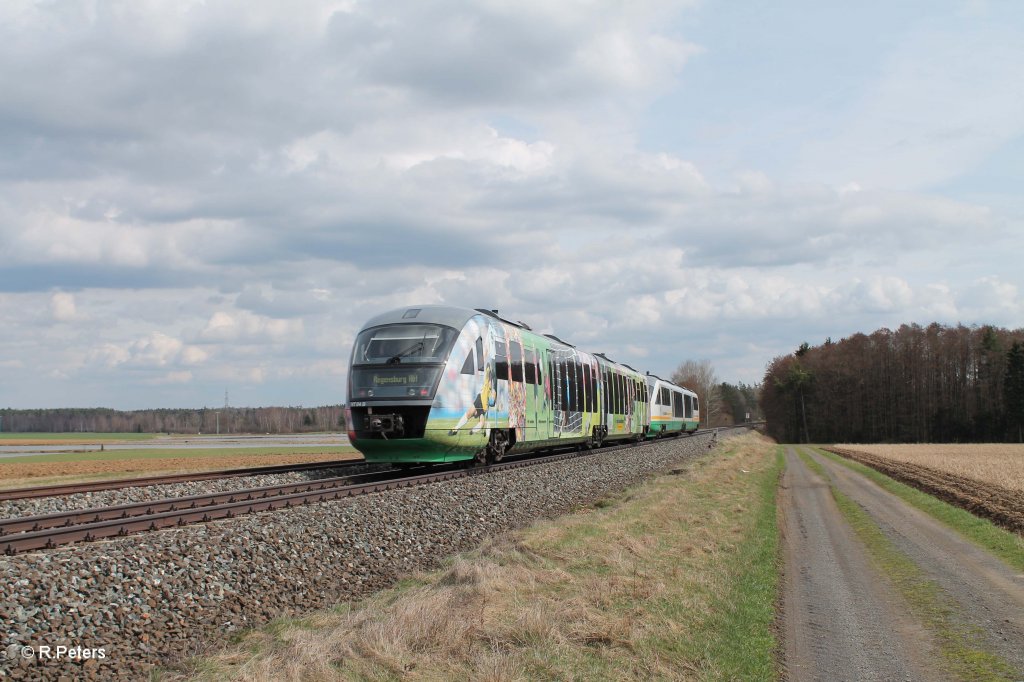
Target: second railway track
[[49, 531], [117, 484]]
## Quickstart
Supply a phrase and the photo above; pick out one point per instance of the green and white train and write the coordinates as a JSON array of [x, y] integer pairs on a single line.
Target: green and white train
[[444, 384]]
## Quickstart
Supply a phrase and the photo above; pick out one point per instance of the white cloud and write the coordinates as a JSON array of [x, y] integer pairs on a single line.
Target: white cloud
[[236, 224], [62, 307], [246, 327]]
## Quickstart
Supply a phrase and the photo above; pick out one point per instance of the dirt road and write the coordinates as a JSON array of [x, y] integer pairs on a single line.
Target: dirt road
[[842, 619]]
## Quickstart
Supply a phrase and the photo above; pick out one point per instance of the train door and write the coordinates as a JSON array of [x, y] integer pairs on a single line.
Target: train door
[[544, 379], [494, 370], [603, 407], [530, 385]]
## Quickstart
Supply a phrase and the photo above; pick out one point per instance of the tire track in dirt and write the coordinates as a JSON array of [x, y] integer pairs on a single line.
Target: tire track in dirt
[[989, 594], [841, 618]]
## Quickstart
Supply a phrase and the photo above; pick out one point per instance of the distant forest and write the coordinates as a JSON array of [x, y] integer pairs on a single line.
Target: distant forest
[[916, 384], [206, 420]]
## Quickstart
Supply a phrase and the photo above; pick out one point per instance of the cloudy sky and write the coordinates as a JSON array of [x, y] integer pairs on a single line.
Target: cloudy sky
[[207, 196]]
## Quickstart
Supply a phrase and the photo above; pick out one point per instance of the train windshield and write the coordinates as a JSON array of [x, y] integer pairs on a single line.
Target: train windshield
[[403, 343]]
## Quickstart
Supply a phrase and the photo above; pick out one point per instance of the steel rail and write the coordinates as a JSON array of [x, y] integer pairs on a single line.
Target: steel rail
[[255, 500], [97, 486], [23, 524]]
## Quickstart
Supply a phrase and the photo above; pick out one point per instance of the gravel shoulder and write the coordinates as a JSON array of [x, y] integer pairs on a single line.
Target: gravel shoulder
[[163, 596], [841, 620], [989, 594]]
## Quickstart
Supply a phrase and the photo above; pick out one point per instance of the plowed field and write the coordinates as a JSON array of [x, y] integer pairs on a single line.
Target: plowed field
[[1001, 504]]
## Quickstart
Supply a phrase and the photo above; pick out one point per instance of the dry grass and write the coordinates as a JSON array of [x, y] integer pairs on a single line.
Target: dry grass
[[633, 589], [1000, 464]]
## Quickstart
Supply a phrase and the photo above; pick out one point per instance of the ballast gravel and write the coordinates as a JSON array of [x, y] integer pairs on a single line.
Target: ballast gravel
[[151, 599], [149, 493]]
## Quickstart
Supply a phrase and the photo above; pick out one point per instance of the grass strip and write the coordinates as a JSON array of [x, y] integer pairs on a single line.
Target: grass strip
[[959, 643], [675, 578], [741, 636], [75, 436], [1004, 544]]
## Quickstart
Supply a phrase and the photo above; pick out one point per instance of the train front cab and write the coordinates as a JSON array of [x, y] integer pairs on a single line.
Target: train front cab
[[398, 362]]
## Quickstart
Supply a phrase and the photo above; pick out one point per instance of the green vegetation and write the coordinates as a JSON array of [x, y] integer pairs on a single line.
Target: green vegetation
[[161, 453], [1004, 544], [674, 578], [959, 643]]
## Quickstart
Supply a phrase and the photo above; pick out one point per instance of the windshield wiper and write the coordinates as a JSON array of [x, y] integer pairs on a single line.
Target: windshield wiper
[[395, 359]]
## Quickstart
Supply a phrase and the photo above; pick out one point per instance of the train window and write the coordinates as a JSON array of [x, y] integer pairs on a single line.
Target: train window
[[578, 383], [500, 362], [620, 402], [563, 383], [479, 354], [469, 367], [567, 387], [403, 343], [574, 398], [665, 399], [593, 389], [588, 395], [677, 404], [695, 408], [553, 376], [611, 391], [517, 361], [581, 393], [570, 384], [688, 405], [530, 366]]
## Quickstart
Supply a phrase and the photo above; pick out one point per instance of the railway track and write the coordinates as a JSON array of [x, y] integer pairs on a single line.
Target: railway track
[[98, 486], [49, 531]]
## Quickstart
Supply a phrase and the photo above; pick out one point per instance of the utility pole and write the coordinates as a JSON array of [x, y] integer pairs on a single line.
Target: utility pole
[[225, 409], [218, 422]]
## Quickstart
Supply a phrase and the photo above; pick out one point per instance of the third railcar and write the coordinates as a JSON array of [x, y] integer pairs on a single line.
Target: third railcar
[[443, 384], [673, 409]]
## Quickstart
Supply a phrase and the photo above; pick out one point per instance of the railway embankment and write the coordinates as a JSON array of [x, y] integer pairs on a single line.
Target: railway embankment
[[672, 579], [159, 597]]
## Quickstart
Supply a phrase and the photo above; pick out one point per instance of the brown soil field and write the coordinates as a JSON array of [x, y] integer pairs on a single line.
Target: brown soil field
[[14, 474], [1002, 504], [997, 463]]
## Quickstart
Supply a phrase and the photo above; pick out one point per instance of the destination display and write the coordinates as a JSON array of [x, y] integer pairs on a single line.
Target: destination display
[[397, 382]]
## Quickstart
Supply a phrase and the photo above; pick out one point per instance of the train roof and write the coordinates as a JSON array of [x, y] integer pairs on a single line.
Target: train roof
[[450, 316], [455, 317], [654, 378]]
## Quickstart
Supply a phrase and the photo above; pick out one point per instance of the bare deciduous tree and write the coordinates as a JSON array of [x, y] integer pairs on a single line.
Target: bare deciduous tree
[[699, 376]]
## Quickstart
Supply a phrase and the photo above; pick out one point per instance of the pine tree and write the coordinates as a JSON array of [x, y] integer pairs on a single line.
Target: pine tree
[[1013, 389]]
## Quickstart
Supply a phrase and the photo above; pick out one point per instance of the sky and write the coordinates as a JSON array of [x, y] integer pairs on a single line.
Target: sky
[[208, 197]]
